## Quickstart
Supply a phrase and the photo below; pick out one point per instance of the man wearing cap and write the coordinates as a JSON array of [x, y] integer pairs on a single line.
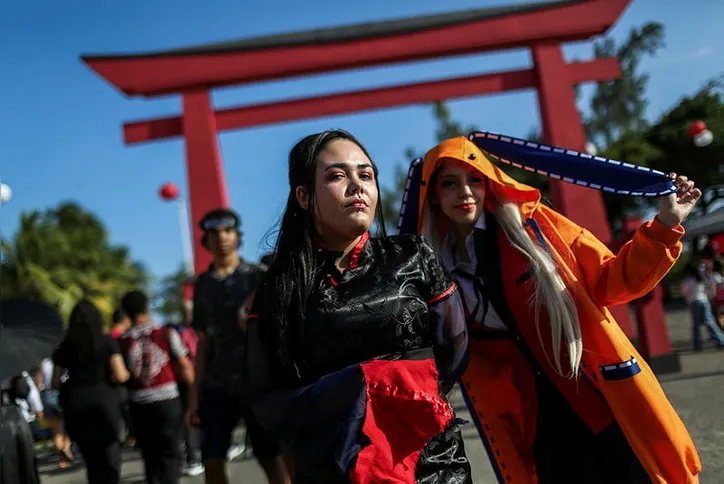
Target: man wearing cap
[[221, 297]]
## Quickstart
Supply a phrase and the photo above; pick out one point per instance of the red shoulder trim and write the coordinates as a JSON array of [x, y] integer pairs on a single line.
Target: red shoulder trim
[[444, 294]]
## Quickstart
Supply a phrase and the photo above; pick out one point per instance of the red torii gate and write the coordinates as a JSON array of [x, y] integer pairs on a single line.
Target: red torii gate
[[542, 27]]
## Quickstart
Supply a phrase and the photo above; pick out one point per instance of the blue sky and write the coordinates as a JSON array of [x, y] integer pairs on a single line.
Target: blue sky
[[61, 124]]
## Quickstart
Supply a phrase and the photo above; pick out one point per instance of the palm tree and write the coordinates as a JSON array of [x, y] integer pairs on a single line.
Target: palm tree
[[169, 297], [62, 255]]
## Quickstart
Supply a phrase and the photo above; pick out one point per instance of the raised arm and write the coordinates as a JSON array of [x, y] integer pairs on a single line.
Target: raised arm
[[635, 270], [644, 260]]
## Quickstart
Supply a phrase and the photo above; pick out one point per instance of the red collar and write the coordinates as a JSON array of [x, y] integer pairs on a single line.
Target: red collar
[[356, 251], [354, 258]]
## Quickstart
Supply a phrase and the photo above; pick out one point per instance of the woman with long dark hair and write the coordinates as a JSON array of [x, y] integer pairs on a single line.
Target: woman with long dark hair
[[353, 342], [87, 364]]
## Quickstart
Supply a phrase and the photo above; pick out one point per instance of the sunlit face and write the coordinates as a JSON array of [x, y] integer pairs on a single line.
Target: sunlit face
[[345, 192], [460, 192], [223, 240]]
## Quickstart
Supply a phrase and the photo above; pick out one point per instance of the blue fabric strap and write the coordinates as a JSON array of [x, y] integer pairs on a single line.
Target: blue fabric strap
[[407, 222], [571, 166]]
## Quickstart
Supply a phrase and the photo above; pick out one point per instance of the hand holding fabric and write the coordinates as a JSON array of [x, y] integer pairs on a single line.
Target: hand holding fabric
[[675, 207]]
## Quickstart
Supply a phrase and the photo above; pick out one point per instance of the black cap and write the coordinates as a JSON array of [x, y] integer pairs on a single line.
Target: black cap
[[220, 218]]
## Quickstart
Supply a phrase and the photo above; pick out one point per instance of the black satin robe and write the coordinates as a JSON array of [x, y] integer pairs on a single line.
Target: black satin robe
[[395, 302], [18, 463]]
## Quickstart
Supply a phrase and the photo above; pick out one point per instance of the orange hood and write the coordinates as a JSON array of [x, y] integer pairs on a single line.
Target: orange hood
[[499, 183]]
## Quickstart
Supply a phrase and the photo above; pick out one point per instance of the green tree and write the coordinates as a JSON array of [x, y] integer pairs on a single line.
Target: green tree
[[392, 194], [168, 300], [617, 117], [666, 146], [446, 126], [676, 152], [619, 106], [62, 255]]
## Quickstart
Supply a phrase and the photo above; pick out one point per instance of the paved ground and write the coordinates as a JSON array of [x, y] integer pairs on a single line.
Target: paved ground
[[697, 392]]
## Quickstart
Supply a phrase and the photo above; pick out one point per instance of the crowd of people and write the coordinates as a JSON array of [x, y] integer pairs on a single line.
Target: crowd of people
[[340, 351], [172, 391]]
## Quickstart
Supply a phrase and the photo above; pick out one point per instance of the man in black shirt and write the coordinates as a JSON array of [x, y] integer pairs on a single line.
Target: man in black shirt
[[222, 296]]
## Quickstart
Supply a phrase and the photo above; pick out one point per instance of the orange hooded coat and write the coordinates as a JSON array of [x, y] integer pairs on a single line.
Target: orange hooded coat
[[596, 278]]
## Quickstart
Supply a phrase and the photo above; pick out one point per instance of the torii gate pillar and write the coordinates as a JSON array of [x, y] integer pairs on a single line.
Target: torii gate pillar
[[205, 171], [562, 126]]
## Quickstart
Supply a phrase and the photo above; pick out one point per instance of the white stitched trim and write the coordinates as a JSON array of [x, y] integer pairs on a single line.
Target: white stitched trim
[[543, 147]]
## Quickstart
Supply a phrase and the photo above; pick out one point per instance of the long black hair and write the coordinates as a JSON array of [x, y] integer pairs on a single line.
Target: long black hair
[[281, 300], [85, 331], [692, 270]]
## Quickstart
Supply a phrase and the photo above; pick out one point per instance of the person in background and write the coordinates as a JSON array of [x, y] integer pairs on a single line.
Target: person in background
[[34, 402], [30, 404], [18, 463], [697, 294], [221, 299], [53, 413], [119, 325], [157, 359], [90, 364], [713, 278]]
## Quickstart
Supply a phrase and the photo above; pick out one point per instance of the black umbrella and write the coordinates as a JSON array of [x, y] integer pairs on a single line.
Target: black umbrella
[[29, 332]]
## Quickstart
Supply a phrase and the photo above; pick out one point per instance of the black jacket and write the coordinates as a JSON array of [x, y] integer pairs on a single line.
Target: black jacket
[[17, 448]]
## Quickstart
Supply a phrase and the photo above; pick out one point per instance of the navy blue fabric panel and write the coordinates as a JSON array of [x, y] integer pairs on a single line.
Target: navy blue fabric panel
[[620, 371], [571, 166], [409, 209]]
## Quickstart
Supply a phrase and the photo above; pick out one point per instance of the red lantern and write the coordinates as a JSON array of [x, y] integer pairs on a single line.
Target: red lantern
[[700, 134], [697, 128], [169, 191]]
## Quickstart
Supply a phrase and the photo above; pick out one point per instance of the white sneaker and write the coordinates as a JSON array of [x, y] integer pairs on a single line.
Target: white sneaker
[[193, 470], [235, 451]]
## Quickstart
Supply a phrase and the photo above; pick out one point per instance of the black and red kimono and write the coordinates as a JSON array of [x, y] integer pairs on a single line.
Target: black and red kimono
[[381, 345]]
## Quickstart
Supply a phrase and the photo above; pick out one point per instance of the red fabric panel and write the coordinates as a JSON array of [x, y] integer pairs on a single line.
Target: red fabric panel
[[404, 411]]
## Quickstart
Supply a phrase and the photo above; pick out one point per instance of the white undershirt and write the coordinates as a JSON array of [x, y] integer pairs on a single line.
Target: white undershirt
[[463, 273]]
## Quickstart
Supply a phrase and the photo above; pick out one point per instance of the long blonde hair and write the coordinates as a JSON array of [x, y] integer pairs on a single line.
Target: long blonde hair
[[550, 292]]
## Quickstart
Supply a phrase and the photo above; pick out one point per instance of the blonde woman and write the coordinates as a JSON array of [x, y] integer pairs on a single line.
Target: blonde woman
[[558, 393]]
